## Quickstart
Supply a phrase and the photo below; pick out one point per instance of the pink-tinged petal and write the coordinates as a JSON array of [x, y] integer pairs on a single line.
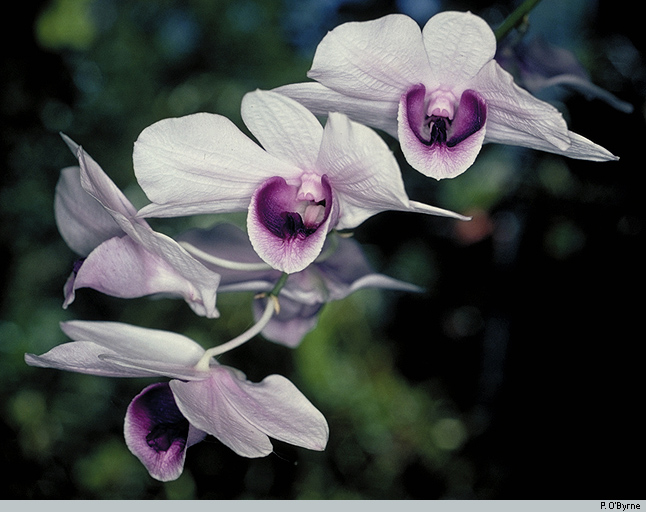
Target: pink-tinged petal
[[207, 407], [285, 128], [121, 267], [278, 228], [321, 100], [373, 60], [84, 357], [196, 283], [137, 343], [157, 434], [162, 264], [432, 147], [458, 45], [201, 163], [243, 414], [82, 221]]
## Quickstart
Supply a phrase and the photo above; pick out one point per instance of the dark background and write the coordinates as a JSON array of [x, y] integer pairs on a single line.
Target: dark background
[[518, 374]]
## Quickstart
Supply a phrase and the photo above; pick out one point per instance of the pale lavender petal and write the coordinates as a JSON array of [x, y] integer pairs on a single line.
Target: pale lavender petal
[[285, 128], [449, 154], [347, 270], [84, 357], [157, 434], [243, 414], [120, 267], [81, 220], [166, 269], [185, 275], [201, 163], [458, 44], [292, 323], [137, 343], [230, 243], [373, 60], [208, 407], [98, 185], [321, 100], [278, 233]]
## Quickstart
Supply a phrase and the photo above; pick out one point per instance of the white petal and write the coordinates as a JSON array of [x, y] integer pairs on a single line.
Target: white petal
[[363, 172], [285, 128], [458, 45], [83, 357], [374, 60], [138, 343], [202, 162], [514, 116], [321, 100]]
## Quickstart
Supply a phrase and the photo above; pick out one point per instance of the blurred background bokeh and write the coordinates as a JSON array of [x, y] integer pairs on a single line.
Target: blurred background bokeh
[[517, 374]]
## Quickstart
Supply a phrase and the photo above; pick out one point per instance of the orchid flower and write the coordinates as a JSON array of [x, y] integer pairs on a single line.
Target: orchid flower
[[306, 181], [202, 397], [439, 91], [340, 270], [122, 254]]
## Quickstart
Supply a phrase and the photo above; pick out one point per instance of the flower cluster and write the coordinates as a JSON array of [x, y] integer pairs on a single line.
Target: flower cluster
[[438, 90]]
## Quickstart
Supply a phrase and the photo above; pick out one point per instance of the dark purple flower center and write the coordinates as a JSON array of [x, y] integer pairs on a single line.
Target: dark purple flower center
[[294, 211], [437, 126], [167, 425]]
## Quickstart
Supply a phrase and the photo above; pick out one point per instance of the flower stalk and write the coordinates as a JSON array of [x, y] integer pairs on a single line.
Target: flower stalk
[[272, 307], [515, 18]]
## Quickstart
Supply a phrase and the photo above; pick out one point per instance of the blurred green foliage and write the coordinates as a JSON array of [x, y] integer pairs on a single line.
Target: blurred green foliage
[[410, 384]]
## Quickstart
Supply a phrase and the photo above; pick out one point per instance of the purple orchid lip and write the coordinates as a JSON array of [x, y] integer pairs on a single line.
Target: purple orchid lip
[[444, 129], [166, 426], [289, 213]]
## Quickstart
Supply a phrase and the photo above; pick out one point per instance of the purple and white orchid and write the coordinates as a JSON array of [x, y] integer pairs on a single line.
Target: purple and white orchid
[[202, 398], [438, 90], [123, 256], [340, 270], [306, 181]]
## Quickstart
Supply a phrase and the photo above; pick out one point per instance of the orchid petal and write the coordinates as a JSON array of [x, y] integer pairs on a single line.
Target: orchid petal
[[185, 275], [157, 434], [516, 117], [200, 163], [444, 159], [84, 357], [98, 185], [81, 220], [321, 100], [120, 267], [364, 171], [278, 233], [291, 323], [458, 44], [243, 414], [168, 267], [286, 129], [138, 343], [373, 60]]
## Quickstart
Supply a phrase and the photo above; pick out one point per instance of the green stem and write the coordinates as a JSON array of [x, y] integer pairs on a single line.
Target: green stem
[[270, 309], [515, 18]]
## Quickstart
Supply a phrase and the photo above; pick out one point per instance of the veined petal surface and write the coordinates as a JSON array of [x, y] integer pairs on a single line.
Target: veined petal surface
[[200, 163]]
